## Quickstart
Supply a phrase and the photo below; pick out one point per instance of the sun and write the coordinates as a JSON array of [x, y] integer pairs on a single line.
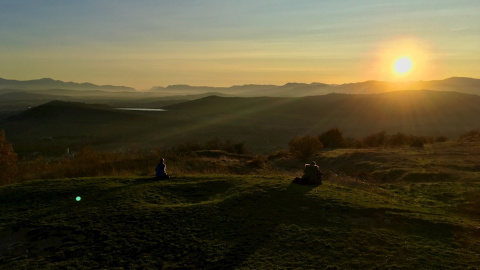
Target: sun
[[403, 65], [400, 59]]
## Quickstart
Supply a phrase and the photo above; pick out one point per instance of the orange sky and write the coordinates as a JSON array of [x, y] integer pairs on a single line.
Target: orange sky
[[221, 43]]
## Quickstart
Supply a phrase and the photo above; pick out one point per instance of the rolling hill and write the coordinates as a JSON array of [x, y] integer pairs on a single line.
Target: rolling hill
[[263, 123], [75, 122], [415, 112]]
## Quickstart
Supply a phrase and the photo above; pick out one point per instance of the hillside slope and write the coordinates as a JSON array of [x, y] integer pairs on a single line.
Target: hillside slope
[[52, 127], [236, 222], [415, 112], [263, 123], [58, 118]]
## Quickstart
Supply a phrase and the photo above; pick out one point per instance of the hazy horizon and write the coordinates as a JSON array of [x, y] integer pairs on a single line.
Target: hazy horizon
[[144, 44], [245, 84]]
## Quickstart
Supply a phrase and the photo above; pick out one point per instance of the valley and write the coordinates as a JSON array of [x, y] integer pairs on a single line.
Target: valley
[[264, 124]]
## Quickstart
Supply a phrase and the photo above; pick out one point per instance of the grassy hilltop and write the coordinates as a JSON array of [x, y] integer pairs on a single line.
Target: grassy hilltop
[[377, 209]]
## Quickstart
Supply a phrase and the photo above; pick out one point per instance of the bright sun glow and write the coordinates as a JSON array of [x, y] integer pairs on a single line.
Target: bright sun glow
[[403, 65], [400, 59]]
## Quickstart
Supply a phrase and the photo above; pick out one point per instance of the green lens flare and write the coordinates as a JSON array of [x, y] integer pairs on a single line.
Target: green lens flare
[[78, 198]]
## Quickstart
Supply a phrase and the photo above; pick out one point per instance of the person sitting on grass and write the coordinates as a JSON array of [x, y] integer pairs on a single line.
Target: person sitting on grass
[[311, 175], [161, 170]]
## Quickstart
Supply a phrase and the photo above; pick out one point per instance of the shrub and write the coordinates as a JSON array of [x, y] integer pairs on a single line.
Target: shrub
[[399, 139], [304, 147], [472, 135], [375, 140], [240, 148], [233, 147], [354, 143], [441, 139], [417, 143], [257, 162], [8, 161], [332, 138]]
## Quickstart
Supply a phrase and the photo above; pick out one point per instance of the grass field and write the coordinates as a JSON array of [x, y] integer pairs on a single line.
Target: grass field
[[239, 222]]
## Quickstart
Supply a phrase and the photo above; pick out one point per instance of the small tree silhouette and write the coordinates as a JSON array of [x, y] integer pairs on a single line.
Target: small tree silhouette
[[305, 146], [332, 138], [8, 160]]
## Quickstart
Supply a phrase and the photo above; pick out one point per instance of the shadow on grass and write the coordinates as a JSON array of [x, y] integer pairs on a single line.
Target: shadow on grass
[[252, 219], [213, 224], [255, 221]]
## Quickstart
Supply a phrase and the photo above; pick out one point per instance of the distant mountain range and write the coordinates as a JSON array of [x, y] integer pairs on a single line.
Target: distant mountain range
[[454, 84], [47, 84], [50, 86]]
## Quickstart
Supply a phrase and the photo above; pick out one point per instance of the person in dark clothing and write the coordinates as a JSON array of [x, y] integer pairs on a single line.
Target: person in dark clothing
[[311, 175], [161, 170]]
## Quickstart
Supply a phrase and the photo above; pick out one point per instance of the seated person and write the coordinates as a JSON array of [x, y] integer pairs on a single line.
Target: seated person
[[161, 170], [311, 175]]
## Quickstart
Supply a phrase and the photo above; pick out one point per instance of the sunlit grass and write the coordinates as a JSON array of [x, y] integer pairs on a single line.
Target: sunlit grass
[[386, 207], [233, 221]]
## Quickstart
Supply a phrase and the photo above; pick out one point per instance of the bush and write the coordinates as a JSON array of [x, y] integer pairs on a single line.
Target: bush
[[417, 143], [399, 139], [441, 139], [472, 135], [332, 138], [8, 161], [354, 143], [375, 140], [257, 162], [304, 147], [233, 147]]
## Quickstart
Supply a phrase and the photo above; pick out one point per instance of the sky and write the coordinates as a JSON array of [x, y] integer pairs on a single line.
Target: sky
[[146, 43]]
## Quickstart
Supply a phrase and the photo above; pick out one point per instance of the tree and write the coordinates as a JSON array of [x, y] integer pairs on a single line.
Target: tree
[[8, 160], [332, 138], [304, 147]]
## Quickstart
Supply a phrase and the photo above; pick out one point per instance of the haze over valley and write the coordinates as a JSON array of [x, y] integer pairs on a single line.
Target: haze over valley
[[264, 117]]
